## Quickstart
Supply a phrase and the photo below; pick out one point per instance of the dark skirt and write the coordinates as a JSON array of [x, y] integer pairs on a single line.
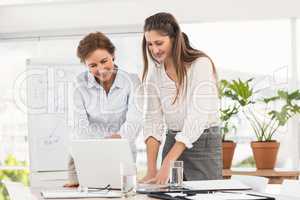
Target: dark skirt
[[204, 160]]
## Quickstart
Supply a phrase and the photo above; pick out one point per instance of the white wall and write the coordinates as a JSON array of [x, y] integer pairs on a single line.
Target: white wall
[[128, 15]]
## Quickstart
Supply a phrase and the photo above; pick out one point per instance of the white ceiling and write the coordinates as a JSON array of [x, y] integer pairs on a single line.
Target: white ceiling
[[28, 2], [71, 16]]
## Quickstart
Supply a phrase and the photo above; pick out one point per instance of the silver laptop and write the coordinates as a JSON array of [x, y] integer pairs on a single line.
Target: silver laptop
[[97, 162]]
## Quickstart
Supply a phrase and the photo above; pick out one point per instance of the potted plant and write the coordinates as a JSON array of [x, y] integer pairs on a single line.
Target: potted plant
[[227, 112], [265, 148], [264, 121]]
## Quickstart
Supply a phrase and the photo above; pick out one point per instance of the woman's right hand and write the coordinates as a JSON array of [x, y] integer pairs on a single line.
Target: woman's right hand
[[71, 185], [152, 148], [149, 176]]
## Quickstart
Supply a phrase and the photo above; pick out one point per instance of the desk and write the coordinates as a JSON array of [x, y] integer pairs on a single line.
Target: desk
[[36, 192], [273, 190], [275, 176]]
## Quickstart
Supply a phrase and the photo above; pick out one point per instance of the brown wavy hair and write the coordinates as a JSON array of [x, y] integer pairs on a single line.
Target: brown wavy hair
[[92, 42], [183, 54]]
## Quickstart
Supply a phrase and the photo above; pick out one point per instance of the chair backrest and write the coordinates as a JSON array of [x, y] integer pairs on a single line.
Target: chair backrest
[[257, 183], [17, 191], [290, 188]]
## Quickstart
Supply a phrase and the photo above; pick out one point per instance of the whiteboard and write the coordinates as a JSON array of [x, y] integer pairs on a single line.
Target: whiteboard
[[50, 117]]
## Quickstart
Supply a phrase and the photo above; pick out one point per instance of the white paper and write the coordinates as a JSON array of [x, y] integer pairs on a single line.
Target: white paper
[[77, 194], [224, 196], [176, 194], [216, 185]]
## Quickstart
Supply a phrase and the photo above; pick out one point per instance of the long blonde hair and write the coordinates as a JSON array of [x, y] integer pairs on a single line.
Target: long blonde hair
[[183, 54]]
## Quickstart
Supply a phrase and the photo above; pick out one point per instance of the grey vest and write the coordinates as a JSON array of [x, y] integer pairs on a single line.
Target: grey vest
[[204, 160]]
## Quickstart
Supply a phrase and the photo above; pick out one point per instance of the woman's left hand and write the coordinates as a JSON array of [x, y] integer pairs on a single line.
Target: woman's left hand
[[162, 176]]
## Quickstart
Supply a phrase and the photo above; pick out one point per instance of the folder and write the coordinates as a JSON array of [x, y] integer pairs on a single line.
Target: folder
[[198, 187], [210, 196]]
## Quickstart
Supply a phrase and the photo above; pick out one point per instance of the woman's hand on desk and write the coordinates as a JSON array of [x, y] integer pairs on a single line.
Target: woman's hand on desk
[[162, 176], [150, 175], [71, 185]]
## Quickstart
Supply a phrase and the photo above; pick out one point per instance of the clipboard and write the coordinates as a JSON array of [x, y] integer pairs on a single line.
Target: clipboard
[[204, 186], [159, 190], [167, 196]]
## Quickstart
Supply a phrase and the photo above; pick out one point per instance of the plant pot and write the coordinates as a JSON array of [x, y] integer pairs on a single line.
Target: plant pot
[[265, 154], [228, 152]]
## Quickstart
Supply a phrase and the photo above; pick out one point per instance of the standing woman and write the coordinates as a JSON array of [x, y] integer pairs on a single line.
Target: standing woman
[[105, 97], [181, 96]]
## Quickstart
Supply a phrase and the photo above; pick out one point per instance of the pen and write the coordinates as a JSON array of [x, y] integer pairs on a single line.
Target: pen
[[267, 197]]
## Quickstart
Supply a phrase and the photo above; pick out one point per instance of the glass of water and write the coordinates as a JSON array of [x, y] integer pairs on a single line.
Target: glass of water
[[128, 179], [176, 174]]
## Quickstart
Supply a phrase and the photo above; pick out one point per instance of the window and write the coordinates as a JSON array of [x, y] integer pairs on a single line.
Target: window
[[13, 126], [259, 49]]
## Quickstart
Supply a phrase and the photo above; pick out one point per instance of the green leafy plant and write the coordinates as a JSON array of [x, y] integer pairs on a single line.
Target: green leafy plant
[[226, 115], [264, 122], [13, 175], [227, 112], [239, 91], [278, 118]]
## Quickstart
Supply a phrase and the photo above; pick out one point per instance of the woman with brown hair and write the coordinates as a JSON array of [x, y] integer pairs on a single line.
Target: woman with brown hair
[[181, 96], [105, 97]]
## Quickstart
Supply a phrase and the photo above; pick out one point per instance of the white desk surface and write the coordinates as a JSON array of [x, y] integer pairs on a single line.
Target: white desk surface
[[36, 193], [272, 190]]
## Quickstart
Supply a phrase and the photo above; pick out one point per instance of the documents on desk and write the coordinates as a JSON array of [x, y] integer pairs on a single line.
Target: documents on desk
[[224, 196], [70, 194], [210, 196], [212, 190], [195, 186], [215, 185]]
